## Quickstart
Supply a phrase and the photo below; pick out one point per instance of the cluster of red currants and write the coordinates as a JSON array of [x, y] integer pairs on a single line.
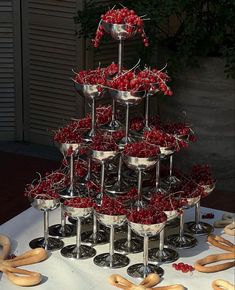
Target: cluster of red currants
[[104, 142], [208, 215], [132, 194], [47, 187], [185, 268], [96, 76], [79, 202], [137, 80], [149, 215], [160, 138], [92, 187], [110, 206], [189, 189], [201, 174], [166, 203], [121, 16], [141, 149]]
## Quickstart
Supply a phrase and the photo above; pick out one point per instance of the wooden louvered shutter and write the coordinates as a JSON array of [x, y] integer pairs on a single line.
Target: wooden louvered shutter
[[51, 50], [10, 71]]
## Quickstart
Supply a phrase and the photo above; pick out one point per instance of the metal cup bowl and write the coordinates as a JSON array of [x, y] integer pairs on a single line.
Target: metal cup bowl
[[110, 220], [146, 230], [127, 97], [141, 163], [208, 188], [191, 201], [44, 204], [167, 150], [171, 214], [119, 31], [103, 155], [88, 91], [77, 212]]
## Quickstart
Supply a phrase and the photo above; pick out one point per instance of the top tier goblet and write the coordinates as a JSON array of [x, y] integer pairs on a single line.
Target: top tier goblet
[[119, 32], [93, 93]]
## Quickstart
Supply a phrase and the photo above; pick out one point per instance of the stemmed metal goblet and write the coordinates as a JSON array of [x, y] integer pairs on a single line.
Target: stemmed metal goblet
[[146, 231], [96, 236], [119, 32], [71, 191], [111, 260], [78, 251], [197, 227], [93, 93], [164, 254], [183, 240], [45, 204], [141, 164], [127, 98]]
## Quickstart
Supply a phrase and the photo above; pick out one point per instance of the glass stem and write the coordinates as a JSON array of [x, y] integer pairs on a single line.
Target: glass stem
[[88, 176], [93, 116], [127, 123], [63, 219], [46, 225], [102, 180], [119, 171], [145, 255], [71, 174], [139, 188], [181, 234], [120, 55], [113, 110], [111, 245], [78, 237], [161, 242], [157, 173], [94, 228], [197, 213], [128, 238], [171, 165], [147, 111]]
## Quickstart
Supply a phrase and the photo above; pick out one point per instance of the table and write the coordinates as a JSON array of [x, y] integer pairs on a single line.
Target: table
[[61, 273]]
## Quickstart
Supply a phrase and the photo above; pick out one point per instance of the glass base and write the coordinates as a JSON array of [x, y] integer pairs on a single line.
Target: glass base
[[117, 261], [53, 244], [92, 240], [136, 246], [139, 271], [171, 180], [65, 232], [69, 193], [81, 253], [199, 230], [166, 256], [185, 242], [118, 189], [113, 126]]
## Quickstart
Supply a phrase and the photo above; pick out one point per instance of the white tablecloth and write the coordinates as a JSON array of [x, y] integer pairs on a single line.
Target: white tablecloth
[[61, 273]]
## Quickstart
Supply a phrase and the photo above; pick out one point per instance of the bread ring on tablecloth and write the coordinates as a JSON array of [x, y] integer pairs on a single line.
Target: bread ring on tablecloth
[[222, 285], [221, 243], [230, 229], [227, 218], [200, 265]]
